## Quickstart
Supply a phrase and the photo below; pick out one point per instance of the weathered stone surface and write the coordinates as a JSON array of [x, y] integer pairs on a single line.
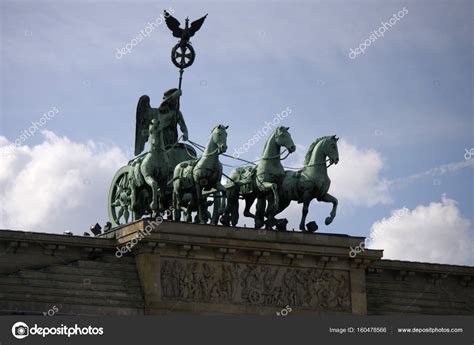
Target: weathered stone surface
[[74, 274], [259, 285], [203, 269], [401, 287]]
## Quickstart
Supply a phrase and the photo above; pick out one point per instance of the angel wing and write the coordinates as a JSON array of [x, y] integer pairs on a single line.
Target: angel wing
[[196, 25], [142, 123], [173, 24]]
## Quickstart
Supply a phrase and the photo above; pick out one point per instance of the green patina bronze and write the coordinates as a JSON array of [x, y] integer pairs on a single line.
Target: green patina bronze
[[168, 114], [313, 181], [301, 186], [261, 182], [141, 188], [168, 173], [196, 176]]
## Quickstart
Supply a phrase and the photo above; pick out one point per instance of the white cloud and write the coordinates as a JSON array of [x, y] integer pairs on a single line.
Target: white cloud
[[356, 178], [435, 233], [57, 185]]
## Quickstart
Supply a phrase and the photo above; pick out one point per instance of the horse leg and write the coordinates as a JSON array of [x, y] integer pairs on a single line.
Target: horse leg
[[188, 214], [276, 198], [270, 212], [223, 191], [233, 202], [266, 187], [329, 198], [154, 189], [133, 202], [162, 195], [260, 212], [216, 210], [200, 203], [269, 186], [229, 209], [176, 206], [306, 200], [282, 205], [234, 216], [219, 207], [249, 200]]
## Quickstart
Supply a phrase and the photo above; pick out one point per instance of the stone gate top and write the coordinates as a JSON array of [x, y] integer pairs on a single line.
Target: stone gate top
[[153, 268]]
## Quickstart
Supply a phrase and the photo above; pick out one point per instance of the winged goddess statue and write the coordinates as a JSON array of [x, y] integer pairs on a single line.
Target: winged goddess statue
[[167, 115]]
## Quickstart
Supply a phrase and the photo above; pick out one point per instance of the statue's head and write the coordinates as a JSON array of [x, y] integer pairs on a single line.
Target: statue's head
[[330, 149], [154, 124], [219, 137], [283, 138], [171, 97]]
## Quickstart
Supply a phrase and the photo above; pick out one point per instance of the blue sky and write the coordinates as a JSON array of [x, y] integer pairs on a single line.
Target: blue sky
[[408, 98]]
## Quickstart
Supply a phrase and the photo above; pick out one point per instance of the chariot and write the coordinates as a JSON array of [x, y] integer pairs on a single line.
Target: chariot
[[120, 207]]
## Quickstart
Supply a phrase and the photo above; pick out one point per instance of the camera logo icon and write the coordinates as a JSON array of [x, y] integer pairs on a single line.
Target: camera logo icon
[[20, 330]]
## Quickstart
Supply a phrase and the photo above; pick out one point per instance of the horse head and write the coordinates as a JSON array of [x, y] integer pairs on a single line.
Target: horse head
[[323, 147], [330, 149], [154, 134], [219, 138], [283, 138]]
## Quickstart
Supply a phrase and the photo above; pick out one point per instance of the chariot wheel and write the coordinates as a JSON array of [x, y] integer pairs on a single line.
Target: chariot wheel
[[120, 209], [255, 297]]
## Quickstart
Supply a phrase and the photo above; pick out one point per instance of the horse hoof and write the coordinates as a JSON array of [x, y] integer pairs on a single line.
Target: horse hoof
[[281, 224], [328, 220], [225, 220], [312, 226]]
